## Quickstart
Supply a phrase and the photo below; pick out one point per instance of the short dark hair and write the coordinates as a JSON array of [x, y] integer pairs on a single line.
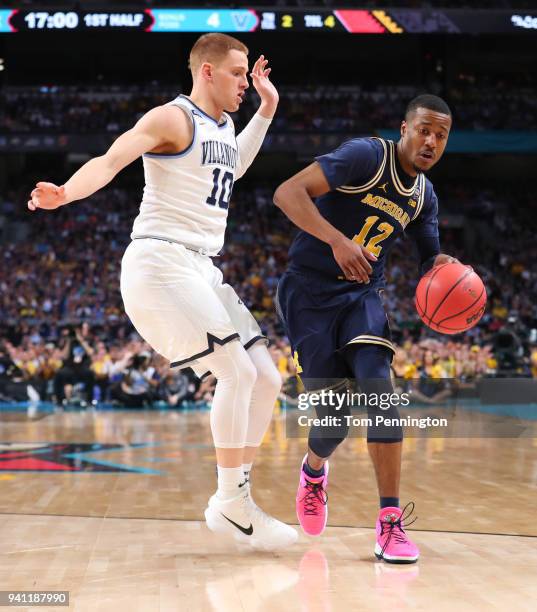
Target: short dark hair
[[428, 101]]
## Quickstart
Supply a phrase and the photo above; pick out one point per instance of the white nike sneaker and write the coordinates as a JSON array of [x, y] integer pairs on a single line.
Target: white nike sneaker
[[241, 519]]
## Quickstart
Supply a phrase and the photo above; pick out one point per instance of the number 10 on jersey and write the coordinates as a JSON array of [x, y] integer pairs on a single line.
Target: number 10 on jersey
[[222, 188]]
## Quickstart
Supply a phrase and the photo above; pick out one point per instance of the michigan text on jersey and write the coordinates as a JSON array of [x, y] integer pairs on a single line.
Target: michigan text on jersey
[[388, 207]]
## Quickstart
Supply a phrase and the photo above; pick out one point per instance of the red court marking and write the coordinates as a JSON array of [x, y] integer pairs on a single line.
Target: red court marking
[[33, 464]]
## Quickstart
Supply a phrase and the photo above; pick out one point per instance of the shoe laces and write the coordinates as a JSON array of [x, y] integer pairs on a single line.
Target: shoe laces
[[315, 495], [394, 527]]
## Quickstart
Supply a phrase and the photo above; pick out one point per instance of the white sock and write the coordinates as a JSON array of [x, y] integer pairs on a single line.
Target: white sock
[[246, 469], [229, 480]]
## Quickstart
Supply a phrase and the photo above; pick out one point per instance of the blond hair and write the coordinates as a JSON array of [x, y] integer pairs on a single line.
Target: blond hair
[[213, 48]]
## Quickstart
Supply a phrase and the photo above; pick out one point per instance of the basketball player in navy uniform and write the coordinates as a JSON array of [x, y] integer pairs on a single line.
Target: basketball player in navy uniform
[[367, 193], [173, 293]]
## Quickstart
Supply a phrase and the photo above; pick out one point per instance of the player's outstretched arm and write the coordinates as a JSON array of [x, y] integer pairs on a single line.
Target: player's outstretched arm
[[294, 197], [154, 129], [249, 141]]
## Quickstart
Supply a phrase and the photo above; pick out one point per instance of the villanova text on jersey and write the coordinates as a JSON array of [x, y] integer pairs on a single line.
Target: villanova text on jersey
[[217, 152], [372, 202]]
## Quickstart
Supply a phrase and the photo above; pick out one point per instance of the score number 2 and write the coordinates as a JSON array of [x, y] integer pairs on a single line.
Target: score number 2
[[373, 244]]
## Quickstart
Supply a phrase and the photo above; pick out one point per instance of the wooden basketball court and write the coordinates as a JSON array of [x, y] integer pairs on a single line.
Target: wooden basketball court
[[109, 506]]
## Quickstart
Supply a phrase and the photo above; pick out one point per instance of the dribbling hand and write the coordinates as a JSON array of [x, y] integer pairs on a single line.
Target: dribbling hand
[[47, 196], [442, 258]]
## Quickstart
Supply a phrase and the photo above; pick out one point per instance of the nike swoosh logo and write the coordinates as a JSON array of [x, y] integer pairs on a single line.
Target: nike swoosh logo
[[247, 531]]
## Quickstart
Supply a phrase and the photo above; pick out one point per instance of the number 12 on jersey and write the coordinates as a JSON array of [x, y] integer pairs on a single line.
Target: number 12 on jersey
[[373, 244], [222, 188]]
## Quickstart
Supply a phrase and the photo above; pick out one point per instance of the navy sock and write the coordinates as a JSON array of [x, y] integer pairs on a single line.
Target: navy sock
[[389, 501], [311, 472]]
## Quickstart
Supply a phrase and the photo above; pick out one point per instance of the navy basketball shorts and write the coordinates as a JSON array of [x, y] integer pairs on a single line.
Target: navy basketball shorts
[[322, 317]]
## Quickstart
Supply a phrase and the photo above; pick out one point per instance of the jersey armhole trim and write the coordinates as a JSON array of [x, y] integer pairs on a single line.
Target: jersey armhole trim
[[421, 199], [372, 182], [184, 151], [219, 125]]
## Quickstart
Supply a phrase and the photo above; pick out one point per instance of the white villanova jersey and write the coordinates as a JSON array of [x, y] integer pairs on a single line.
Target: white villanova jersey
[[186, 195]]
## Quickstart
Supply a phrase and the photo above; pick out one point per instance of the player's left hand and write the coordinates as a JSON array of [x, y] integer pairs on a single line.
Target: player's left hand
[[265, 88], [47, 196], [442, 258]]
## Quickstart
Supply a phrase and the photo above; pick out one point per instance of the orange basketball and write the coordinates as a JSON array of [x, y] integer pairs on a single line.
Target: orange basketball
[[450, 298]]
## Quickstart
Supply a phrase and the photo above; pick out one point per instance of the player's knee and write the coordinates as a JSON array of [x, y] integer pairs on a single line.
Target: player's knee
[[323, 445], [323, 440], [342, 433], [269, 380], [369, 362], [232, 366], [246, 372]]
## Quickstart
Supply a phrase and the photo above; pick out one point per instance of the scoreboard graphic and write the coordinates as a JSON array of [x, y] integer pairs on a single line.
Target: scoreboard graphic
[[353, 21]]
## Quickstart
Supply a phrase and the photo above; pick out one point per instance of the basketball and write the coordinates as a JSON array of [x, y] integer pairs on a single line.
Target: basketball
[[450, 298]]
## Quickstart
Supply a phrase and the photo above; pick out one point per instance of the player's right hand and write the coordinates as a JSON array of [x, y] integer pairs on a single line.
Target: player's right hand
[[47, 196], [353, 258]]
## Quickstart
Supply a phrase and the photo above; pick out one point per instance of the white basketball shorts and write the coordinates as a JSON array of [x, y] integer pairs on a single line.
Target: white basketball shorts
[[178, 303]]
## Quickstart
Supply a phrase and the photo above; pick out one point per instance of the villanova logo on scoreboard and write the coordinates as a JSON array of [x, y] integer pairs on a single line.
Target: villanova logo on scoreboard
[[244, 21]]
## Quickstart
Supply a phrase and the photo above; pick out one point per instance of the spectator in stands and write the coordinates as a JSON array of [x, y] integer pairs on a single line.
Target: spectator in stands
[[432, 386], [76, 356], [101, 365], [137, 387], [14, 386], [176, 387]]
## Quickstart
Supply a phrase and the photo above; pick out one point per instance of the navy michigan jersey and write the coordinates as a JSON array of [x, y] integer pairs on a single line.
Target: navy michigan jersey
[[372, 201]]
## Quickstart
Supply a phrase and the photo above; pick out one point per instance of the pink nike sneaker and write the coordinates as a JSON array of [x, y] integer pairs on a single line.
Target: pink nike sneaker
[[393, 545], [311, 501]]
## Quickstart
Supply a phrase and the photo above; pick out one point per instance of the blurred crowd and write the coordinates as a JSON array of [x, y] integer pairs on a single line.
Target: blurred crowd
[[64, 336], [83, 368], [477, 104]]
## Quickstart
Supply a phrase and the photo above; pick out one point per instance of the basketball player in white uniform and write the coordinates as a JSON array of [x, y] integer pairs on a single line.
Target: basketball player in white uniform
[[173, 294]]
